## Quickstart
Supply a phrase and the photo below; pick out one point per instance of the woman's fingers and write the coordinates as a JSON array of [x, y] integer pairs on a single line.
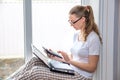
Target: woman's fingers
[[66, 57], [49, 55]]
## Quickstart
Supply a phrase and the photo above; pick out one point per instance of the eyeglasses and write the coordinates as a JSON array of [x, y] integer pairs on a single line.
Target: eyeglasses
[[73, 22]]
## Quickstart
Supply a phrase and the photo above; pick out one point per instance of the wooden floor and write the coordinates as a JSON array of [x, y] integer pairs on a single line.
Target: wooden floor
[[8, 66]]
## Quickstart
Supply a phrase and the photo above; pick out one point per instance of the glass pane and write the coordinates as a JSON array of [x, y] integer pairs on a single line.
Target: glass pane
[[50, 23], [11, 37]]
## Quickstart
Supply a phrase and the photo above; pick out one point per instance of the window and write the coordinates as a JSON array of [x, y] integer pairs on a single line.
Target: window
[[50, 23], [11, 36]]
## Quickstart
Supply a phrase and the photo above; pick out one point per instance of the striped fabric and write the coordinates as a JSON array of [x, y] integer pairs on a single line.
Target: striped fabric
[[35, 69]]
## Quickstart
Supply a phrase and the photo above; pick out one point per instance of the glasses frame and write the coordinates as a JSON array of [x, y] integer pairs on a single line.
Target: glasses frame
[[74, 21]]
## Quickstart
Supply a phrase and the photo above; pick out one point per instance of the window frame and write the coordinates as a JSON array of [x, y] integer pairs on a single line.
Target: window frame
[[27, 29]]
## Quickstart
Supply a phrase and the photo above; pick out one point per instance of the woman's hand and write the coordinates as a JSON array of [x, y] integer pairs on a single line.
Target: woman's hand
[[54, 57], [64, 54]]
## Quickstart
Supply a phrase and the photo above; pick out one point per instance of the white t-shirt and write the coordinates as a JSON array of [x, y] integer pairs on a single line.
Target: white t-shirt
[[80, 50]]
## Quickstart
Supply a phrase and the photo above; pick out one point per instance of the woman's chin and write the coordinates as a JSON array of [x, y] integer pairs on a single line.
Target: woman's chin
[[76, 29]]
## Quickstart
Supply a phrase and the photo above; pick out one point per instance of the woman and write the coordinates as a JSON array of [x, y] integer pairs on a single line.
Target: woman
[[84, 52]]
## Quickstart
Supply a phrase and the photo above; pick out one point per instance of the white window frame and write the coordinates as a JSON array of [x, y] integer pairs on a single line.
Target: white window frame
[[118, 57], [109, 27], [27, 29], [116, 74]]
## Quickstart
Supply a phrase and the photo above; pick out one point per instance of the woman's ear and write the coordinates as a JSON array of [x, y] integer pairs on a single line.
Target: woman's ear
[[83, 19]]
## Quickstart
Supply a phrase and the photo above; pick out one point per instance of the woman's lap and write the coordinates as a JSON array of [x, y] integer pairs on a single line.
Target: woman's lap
[[35, 69]]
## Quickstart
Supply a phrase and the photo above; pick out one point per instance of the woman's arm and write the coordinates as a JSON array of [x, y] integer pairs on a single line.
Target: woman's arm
[[90, 66]]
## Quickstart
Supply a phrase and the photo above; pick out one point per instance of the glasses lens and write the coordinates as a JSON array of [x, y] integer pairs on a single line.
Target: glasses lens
[[70, 22], [74, 21]]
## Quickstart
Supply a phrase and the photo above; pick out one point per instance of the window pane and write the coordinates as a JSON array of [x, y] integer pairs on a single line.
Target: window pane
[[50, 23], [11, 36]]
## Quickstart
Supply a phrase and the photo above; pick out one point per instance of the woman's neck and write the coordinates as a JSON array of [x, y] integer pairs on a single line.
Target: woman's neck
[[80, 36], [82, 30]]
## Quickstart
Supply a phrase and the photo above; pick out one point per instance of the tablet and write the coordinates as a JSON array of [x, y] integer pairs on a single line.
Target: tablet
[[52, 52]]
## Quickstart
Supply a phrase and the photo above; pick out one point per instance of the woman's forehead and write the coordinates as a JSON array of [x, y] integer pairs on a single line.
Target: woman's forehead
[[72, 16]]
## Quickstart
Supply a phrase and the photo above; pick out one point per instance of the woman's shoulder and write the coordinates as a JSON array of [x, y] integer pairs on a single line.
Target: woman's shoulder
[[93, 36]]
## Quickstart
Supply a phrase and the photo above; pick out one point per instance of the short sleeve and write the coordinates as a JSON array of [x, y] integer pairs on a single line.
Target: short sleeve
[[94, 45]]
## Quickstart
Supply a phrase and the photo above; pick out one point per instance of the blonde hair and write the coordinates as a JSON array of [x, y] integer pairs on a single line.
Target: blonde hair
[[87, 12]]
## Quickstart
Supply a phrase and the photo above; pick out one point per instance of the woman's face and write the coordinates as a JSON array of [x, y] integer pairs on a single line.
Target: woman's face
[[76, 22]]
